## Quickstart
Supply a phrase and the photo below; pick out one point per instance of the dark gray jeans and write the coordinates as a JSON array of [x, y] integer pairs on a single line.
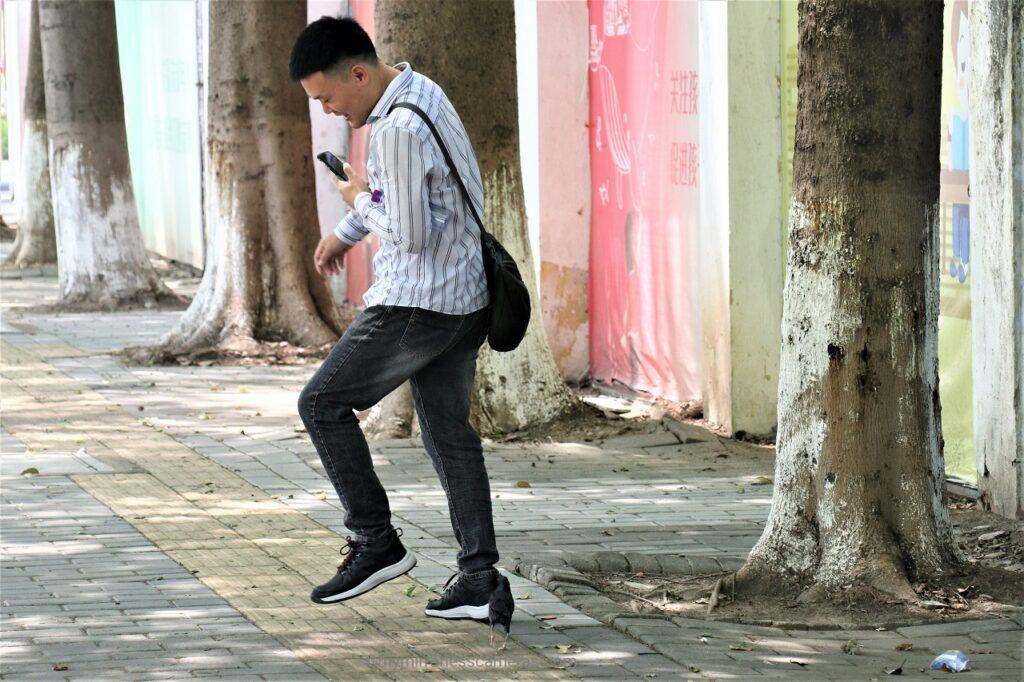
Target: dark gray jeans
[[436, 352]]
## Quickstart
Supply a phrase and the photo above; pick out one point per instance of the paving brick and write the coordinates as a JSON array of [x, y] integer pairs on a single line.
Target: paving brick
[[644, 494]]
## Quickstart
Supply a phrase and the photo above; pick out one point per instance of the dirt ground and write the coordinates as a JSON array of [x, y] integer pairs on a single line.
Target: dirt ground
[[991, 582]]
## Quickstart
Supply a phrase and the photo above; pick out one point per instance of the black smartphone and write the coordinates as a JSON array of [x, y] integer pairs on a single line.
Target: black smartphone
[[334, 163]]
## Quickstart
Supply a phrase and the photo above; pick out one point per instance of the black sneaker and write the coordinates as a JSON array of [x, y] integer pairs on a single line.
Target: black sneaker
[[467, 598], [367, 564]]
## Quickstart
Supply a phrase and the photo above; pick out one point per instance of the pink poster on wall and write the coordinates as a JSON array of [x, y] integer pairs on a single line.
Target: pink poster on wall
[[359, 261], [644, 314]]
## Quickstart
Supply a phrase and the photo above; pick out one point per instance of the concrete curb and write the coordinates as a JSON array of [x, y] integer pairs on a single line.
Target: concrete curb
[[566, 578]]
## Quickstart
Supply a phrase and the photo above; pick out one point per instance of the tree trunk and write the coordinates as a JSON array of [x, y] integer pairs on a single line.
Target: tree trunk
[[859, 469], [392, 417], [476, 67], [260, 284], [36, 242], [101, 260]]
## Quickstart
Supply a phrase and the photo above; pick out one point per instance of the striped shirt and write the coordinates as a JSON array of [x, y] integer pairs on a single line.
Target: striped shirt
[[429, 254]]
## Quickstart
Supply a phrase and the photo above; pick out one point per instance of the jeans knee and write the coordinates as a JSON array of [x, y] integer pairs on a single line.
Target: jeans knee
[[307, 399]]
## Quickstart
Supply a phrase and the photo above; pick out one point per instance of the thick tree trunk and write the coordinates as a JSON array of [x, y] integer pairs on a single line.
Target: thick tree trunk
[[476, 67], [36, 242], [101, 260], [859, 469], [392, 417], [259, 284]]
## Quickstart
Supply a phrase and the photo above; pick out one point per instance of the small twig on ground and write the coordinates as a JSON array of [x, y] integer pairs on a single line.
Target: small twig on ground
[[713, 599]]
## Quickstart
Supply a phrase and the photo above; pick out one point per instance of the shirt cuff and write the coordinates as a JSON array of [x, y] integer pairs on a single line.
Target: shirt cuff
[[349, 230], [362, 203]]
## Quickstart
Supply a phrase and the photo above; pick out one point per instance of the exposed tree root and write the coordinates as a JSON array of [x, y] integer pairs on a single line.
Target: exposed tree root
[[165, 300], [238, 352]]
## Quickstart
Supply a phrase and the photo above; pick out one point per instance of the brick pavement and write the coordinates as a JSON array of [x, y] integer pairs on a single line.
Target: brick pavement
[[214, 468], [84, 589]]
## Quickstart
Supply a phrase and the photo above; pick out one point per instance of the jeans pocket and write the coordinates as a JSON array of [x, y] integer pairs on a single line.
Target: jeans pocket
[[430, 333]]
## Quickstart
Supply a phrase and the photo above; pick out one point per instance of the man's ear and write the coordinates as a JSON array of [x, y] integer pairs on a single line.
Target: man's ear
[[359, 73]]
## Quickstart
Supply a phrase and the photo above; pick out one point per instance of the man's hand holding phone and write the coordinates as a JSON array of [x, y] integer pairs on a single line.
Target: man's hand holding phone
[[351, 188], [349, 184], [329, 257]]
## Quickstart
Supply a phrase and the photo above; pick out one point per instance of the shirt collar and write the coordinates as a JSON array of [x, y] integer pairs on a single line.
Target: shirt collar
[[395, 87]]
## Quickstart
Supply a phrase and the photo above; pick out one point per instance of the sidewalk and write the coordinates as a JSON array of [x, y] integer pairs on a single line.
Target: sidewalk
[[180, 518]]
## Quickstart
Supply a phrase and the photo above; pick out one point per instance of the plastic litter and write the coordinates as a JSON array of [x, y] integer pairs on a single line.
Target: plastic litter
[[953, 660]]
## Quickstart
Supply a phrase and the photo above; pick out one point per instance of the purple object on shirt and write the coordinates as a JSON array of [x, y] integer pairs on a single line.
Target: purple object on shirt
[[376, 196]]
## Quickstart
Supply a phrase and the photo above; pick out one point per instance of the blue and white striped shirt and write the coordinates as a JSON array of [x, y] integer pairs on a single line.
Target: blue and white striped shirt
[[429, 254]]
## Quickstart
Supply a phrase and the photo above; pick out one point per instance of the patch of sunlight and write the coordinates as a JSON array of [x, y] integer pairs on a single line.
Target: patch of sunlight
[[602, 655]]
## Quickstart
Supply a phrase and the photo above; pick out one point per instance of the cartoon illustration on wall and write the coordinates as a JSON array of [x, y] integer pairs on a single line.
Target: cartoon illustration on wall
[[644, 185], [616, 17], [959, 141]]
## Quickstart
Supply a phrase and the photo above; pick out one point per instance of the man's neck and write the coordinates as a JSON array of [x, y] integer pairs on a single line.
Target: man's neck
[[390, 73]]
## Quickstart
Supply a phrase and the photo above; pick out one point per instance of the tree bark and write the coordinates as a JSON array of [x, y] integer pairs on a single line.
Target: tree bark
[[468, 48], [859, 470], [393, 417], [260, 284], [36, 242], [101, 260]]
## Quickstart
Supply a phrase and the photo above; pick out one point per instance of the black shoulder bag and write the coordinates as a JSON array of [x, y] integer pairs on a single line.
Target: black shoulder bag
[[510, 299]]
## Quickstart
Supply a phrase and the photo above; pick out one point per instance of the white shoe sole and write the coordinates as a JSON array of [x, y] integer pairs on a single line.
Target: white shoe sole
[[477, 612], [383, 575]]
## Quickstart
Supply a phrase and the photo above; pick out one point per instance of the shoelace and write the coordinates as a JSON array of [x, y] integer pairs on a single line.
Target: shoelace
[[352, 546], [453, 576]]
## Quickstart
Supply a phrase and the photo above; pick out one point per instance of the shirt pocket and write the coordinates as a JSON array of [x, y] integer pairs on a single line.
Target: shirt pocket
[[439, 217]]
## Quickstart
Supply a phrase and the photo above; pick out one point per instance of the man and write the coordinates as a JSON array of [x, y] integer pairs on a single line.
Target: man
[[425, 319]]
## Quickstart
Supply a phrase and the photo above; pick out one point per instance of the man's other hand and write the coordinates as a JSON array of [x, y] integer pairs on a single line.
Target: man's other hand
[[329, 257], [350, 189]]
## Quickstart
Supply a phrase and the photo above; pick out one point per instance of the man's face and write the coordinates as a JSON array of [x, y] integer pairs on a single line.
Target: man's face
[[341, 94]]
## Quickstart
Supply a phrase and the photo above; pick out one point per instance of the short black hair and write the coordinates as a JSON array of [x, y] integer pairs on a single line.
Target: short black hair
[[327, 42]]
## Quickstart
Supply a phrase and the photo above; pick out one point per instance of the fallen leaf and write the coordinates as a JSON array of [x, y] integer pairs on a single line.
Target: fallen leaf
[[563, 648], [409, 590], [742, 646], [761, 480], [850, 647], [994, 535], [30, 471], [60, 666], [980, 651], [904, 646], [522, 484], [898, 670], [321, 495]]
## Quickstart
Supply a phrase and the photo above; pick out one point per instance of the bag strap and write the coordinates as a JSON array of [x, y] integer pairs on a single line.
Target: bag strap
[[447, 156]]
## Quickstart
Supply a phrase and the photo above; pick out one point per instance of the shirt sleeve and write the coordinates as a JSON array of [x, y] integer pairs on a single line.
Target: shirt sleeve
[[403, 215], [350, 229]]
